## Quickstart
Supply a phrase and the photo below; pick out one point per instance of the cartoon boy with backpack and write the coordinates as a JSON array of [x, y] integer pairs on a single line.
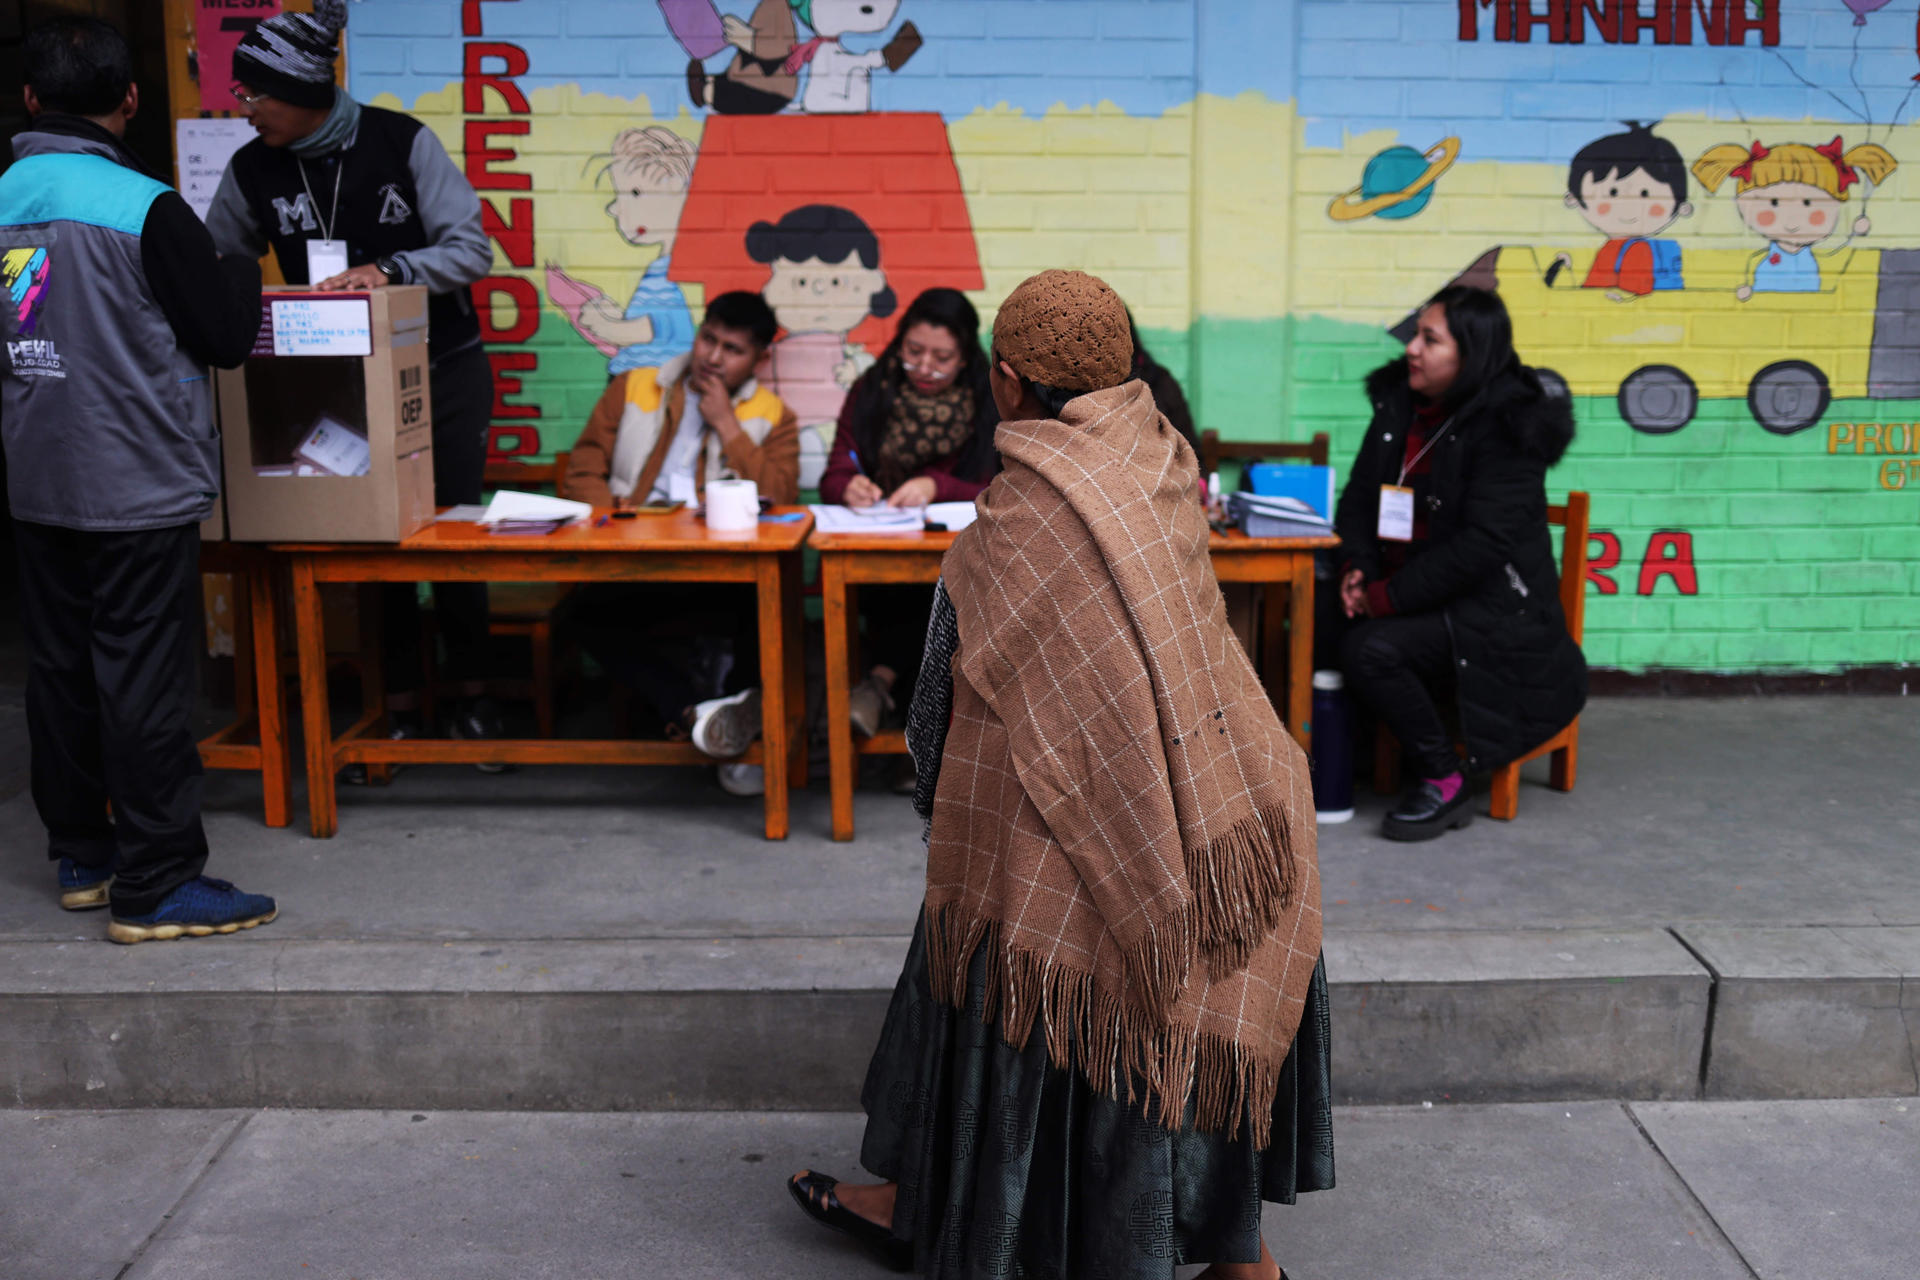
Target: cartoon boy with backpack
[[1630, 187]]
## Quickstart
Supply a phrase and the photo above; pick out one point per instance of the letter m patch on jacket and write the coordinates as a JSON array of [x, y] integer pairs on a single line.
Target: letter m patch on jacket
[[296, 213]]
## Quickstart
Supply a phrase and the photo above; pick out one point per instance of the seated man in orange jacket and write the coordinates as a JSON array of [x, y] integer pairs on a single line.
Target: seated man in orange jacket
[[660, 435]]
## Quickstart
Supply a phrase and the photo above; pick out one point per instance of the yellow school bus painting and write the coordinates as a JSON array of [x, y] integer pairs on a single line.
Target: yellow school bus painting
[[1787, 354]]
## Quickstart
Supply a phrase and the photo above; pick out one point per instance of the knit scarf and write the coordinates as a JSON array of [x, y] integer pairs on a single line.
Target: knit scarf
[[334, 132], [922, 429], [1120, 817]]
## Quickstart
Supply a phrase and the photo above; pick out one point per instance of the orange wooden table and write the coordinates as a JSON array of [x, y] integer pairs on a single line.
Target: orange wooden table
[[259, 711], [670, 548], [848, 560]]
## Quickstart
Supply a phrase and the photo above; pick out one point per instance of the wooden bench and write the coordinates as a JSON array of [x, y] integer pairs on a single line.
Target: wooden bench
[[1564, 747]]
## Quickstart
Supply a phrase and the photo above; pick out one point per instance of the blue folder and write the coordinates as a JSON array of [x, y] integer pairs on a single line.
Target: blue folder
[[1311, 485]]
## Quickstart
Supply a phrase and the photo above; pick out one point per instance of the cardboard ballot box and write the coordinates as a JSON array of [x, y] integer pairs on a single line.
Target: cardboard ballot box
[[328, 427]]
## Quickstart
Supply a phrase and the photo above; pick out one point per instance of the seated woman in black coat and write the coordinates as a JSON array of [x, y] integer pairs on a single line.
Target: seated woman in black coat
[[1447, 566]]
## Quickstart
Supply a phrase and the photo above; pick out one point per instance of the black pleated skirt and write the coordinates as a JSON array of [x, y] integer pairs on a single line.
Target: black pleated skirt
[[1011, 1167]]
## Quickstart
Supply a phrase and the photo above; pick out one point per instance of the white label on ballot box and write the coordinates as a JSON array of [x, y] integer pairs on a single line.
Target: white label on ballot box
[[325, 259], [1396, 513], [322, 327]]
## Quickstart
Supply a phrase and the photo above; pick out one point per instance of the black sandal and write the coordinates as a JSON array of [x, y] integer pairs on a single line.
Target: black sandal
[[814, 1193]]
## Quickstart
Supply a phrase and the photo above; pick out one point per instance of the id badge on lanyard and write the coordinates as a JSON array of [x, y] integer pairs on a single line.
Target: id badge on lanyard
[[1396, 500], [1396, 513], [325, 259]]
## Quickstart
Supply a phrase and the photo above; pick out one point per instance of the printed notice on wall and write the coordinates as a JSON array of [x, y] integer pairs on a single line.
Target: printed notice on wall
[[204, 148], [321, 327]]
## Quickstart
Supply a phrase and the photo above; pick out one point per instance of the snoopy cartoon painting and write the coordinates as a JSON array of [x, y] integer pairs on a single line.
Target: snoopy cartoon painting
[[840, 81], [763, 77]]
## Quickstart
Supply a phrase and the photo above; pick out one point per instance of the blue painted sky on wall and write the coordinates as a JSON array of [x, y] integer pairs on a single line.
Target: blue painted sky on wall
[[1352, 65], [1399, 65]]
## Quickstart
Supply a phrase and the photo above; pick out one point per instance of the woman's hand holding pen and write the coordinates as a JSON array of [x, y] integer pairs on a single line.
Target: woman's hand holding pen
[[862, 492]]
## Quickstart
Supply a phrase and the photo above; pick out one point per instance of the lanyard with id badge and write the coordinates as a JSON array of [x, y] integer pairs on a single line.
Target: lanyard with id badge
[[326, 257], [1396, 500]]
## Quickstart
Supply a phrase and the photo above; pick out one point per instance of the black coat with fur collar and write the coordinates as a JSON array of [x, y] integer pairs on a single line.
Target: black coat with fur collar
[[1488, 565]]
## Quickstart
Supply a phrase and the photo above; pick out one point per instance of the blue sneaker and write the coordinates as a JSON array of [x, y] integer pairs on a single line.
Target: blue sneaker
[[200, 907], [82, 888]]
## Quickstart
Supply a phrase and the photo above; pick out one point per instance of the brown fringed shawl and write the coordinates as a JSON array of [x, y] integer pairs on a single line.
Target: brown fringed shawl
[[1117, 799]]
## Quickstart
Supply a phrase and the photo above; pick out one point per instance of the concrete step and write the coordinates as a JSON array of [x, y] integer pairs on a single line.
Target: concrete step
[[788, 1023]]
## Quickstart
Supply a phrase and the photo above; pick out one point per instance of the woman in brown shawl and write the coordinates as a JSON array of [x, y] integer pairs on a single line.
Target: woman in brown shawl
[[1109, 1043]]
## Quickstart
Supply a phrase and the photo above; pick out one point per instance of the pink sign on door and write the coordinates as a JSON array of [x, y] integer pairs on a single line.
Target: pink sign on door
[[218, 28]]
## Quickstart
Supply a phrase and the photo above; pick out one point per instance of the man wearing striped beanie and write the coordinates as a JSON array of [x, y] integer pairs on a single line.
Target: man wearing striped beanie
[[356, 197]]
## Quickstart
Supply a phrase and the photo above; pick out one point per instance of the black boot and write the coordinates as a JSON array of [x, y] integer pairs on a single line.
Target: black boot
[[1423, 815]]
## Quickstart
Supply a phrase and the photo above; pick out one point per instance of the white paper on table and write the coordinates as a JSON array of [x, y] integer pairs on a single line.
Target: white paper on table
[[204, 148], [510, 505], [955, 515], [466, 513], [878, 518]]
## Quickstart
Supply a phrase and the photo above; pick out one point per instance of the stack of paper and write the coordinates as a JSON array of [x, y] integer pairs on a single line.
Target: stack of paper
[[1264, 516], [531, 513], [954, 516], [879, 518]]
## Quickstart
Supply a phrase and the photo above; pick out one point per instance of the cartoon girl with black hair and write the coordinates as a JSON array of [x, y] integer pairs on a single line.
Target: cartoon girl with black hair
[[824, 280]]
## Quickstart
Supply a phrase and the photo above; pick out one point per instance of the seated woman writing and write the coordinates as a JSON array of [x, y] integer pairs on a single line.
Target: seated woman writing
[[1447, 564], [916, 428]]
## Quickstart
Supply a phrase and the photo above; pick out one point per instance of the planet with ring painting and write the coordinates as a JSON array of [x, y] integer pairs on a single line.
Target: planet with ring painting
[[1397, 183]]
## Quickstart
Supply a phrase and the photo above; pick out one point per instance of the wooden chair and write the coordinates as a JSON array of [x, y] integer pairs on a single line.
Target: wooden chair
[[1213, 449], [1564, 746], [526, 609]]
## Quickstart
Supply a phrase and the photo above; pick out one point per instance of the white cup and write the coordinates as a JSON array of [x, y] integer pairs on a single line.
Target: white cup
[[733, 506]]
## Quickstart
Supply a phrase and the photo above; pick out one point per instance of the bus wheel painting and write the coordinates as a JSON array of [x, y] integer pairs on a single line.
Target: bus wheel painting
[[1658, 399], [1788, 396], [1553, 384]]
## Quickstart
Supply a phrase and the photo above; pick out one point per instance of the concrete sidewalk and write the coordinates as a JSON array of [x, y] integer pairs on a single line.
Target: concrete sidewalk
[[1673, 1191], [1725, 907]]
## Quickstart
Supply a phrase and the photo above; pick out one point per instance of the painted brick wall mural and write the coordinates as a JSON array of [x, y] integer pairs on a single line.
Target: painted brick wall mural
[[1697, 210]]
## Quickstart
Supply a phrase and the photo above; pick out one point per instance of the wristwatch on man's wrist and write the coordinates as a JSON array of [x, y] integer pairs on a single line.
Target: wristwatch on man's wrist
[[388, 268]]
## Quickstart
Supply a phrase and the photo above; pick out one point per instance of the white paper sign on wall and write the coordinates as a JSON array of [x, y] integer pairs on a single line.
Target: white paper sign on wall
[[204, 148]]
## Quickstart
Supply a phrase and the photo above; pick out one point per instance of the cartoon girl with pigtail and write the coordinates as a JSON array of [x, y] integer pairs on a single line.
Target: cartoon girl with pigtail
[[1792, 196]]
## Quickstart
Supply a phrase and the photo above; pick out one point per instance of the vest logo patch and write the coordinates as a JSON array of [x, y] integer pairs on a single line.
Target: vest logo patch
[[394, 208], [295, 214], [23, 274]]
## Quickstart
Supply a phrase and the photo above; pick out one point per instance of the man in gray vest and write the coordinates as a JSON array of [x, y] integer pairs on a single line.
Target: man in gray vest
[[113, 305]]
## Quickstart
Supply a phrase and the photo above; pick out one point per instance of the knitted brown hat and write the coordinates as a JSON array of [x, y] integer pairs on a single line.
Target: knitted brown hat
[[1066, 329]]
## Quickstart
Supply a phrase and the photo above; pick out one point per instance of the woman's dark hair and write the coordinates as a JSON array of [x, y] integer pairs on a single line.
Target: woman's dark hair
[[1167, 395], [79, 66], [741, 309], [874, 394], [1478, 321], [826, 232]]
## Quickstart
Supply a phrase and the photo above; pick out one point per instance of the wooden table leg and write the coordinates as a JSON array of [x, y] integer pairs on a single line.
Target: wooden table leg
[[774, 725], [1275, 601], [1300, 640], [840, 758], [793, 613], [373, 672], [276, 764], [310, 634]]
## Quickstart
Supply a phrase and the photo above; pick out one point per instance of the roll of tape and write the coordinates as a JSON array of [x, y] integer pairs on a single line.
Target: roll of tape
[[733, 505]]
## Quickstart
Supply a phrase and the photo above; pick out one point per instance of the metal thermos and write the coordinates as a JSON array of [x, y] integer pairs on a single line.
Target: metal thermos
[[1332, 749]]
